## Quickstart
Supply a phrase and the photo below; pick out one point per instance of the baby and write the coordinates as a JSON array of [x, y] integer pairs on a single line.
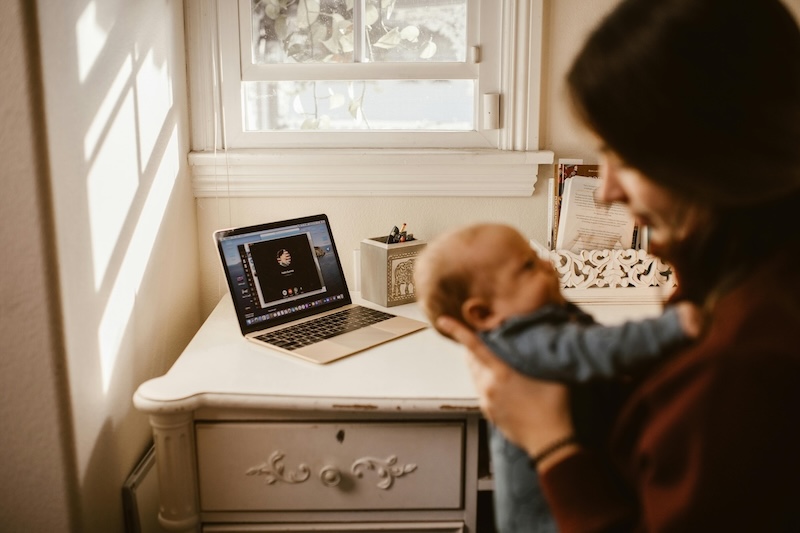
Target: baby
[[488, 277]]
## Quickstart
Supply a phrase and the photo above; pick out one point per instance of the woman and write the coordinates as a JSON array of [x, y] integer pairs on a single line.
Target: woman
[[696, 107]]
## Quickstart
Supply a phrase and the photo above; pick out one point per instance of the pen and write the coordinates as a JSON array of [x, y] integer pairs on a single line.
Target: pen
[[401, 237], [392, 235]]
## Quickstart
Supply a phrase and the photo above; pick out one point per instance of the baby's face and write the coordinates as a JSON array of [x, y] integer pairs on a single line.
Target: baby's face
[[523, 282]]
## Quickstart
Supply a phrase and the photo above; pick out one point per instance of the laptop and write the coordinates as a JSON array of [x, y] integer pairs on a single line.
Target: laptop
[[290, 294]]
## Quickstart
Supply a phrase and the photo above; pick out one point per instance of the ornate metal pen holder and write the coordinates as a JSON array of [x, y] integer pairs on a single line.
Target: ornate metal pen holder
[[387, 270]]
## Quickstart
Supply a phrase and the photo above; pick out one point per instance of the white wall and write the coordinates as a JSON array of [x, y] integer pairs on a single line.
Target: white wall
[[108, 268]]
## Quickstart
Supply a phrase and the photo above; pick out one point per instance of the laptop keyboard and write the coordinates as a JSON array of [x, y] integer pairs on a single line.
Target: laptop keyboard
[[324, 327]]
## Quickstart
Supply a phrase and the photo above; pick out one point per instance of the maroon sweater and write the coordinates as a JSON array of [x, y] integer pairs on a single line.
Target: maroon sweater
[[711, 440]]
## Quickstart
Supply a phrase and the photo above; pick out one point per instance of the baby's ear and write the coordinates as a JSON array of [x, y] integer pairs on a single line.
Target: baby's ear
[[477, 312]]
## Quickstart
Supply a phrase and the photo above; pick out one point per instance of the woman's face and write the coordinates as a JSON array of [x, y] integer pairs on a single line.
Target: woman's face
[[670, 217]]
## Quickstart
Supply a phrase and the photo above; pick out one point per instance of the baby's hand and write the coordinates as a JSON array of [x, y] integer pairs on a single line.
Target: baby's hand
[[691, 318]]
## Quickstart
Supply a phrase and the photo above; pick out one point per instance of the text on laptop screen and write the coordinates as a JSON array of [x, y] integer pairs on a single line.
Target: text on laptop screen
[[279, 274]]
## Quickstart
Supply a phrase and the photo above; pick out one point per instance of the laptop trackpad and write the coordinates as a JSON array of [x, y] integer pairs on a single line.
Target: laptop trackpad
[[363, 337]]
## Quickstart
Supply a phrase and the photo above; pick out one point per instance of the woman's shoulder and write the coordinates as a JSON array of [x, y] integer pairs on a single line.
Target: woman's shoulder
[[738, 380], [754, 330], [763, 308]]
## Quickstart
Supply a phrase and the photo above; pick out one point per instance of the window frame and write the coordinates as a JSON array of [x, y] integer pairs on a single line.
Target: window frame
[[235, 44], [501, 162]]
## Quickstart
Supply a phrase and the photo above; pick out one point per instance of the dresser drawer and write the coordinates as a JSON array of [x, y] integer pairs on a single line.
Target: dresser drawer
[[330, 466]]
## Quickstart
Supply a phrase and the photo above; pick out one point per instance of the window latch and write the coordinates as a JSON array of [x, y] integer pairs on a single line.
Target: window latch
[[475, 54]]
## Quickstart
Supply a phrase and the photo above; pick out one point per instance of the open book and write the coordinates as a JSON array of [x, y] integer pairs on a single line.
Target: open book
[[585, 224], [564, 169]]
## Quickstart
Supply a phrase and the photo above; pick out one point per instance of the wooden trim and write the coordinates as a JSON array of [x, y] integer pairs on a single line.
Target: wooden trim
[[364, 172]]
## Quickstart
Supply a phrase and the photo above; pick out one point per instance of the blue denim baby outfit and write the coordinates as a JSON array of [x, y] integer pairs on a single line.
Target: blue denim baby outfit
[[563, 343]]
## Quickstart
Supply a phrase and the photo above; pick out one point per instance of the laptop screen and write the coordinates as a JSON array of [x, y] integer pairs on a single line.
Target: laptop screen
[[282, 271]]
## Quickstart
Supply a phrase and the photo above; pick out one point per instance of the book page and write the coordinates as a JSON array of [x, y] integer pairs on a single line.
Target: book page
[[550, 205], [566, 168], [589, 225]]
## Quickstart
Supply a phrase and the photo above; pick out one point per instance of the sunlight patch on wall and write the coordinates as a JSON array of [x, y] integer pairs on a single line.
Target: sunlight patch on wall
[[112, 184], [105, 112], [117, 316], [154, 94], [115, 321], [91, 40]]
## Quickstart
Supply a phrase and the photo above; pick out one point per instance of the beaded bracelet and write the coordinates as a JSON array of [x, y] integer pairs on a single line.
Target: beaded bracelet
[[552, 448]]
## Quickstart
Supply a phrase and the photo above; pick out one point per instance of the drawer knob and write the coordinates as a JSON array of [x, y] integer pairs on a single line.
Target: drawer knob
[[330, 476]]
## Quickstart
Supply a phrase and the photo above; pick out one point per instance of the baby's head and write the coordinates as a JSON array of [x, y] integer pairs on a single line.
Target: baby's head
[[482, 275]]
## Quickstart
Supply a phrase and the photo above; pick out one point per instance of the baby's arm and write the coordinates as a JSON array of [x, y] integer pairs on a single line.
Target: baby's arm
[[575, 352]]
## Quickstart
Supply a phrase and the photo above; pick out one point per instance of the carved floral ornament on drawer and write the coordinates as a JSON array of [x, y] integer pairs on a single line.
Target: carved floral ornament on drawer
[[386, 470], [610, 268], [274, 470]]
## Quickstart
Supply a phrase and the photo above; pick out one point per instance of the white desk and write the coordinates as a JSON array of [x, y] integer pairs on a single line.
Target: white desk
[[228, 407], [249, 439]]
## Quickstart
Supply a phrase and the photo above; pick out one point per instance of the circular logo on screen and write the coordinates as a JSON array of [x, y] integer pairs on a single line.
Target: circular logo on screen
[[284, 257]]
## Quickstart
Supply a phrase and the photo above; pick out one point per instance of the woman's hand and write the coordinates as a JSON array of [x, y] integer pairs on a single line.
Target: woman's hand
[[692, 319], [529, 412]]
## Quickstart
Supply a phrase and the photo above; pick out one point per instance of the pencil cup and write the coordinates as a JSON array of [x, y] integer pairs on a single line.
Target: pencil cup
[[387, 271]]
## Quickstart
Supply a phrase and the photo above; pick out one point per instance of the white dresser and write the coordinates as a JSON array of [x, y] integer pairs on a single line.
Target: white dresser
[[249, 439]]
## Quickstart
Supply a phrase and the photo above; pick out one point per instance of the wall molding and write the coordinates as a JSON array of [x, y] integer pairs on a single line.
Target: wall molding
[[365, 172]]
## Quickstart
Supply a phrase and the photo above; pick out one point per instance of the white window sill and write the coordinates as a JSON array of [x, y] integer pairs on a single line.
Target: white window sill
[[365, 172]]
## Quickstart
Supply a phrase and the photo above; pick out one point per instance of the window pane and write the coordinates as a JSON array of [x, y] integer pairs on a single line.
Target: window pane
[[302, 31], [407, 105], [417, 30], [323, 31]]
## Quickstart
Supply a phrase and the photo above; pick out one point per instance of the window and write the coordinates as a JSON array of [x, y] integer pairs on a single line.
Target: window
[[388, 65], [408, 96]]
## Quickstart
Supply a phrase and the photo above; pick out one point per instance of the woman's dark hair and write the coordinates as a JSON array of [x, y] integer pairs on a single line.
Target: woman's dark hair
[[703, 97]]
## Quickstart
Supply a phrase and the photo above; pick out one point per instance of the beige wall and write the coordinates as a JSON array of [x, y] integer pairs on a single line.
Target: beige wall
[[93, 263], [117, 127], [35, 440]]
